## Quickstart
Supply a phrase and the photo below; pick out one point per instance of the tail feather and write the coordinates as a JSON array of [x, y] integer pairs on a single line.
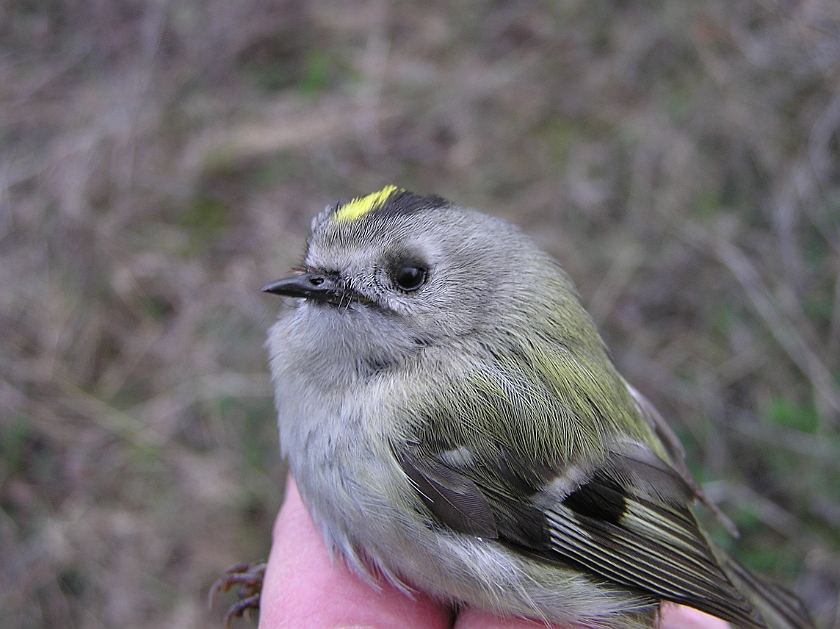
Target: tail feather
[[779, 608]]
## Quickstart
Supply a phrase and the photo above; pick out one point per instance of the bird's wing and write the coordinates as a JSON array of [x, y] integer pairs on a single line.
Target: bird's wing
[[677, 455], [625, 519]]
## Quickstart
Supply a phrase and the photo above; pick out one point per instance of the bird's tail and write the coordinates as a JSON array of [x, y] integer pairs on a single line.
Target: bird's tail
[[779, 608]]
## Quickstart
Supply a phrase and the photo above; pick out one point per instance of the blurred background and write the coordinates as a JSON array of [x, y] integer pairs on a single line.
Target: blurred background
[[161, 159]]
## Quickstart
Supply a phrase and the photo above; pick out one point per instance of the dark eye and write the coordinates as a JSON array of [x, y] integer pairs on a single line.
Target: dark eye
[[408, 277]]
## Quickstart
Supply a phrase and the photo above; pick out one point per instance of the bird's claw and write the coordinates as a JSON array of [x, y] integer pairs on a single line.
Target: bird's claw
[[249, 578]]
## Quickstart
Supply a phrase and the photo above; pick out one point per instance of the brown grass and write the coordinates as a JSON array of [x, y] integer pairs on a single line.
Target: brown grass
[[159, 161]]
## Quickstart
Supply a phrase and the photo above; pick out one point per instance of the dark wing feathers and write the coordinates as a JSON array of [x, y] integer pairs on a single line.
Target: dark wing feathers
[[675, 452], [778, 606], [673, 562], [451, 496], [628, 521]]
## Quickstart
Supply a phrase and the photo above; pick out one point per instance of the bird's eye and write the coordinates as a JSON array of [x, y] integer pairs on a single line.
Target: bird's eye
[[408, 277]]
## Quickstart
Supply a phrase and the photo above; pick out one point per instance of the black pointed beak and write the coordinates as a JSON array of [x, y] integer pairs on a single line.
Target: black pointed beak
[[315, 286]]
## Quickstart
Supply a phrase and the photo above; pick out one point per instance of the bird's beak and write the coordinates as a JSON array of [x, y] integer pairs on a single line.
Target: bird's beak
[[314, 286]]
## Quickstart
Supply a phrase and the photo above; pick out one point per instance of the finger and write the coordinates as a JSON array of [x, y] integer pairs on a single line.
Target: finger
[[674, 616], [304, 587]]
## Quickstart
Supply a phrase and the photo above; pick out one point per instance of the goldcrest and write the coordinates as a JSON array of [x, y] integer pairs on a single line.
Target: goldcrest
[[455, 424]]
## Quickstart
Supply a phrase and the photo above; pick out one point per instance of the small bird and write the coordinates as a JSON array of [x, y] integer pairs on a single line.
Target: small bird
[[455, 424]]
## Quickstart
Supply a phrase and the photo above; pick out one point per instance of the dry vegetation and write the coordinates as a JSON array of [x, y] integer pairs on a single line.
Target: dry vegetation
[[160, 160]]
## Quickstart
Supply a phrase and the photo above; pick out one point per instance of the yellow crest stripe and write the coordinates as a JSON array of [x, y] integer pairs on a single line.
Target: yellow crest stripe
[[358, 207]]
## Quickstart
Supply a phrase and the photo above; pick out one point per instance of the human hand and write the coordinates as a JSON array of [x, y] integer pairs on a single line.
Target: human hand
[[305, 588]]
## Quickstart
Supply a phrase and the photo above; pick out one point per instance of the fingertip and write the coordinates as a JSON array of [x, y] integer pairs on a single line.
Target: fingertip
[[673, 616]]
